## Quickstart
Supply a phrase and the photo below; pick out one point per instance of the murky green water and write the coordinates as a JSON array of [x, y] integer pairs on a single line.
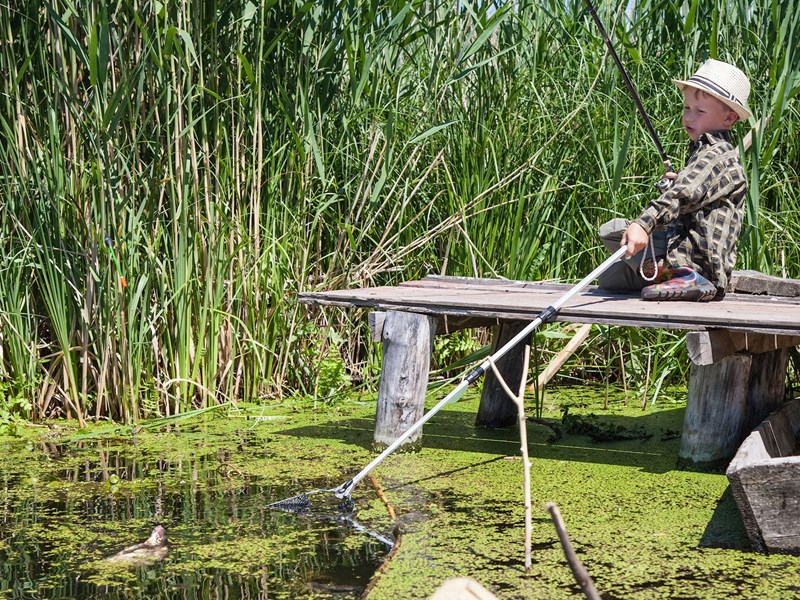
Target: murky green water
[[643, 528], [66, 506]]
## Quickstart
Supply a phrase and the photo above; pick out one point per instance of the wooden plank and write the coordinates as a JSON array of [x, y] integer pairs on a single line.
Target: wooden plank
[[562, 357], [462, 588], [778, 434], [591, 306], [755, 282], [444, 323], [375, 320], [765, 481], [548, 293], [751, 291], [770, 504], [444, 282], [707, 347]]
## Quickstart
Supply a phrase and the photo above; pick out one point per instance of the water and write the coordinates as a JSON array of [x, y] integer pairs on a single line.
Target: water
[[64, 508]]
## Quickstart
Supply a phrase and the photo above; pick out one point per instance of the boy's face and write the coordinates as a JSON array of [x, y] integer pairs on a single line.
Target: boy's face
[[703, 113]]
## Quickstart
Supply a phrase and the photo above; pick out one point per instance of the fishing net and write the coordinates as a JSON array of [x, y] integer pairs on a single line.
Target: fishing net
[[297, 503], [302, 502]]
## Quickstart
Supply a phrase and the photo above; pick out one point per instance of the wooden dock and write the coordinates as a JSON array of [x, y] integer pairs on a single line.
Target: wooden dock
[[470, 302], [738, 347]]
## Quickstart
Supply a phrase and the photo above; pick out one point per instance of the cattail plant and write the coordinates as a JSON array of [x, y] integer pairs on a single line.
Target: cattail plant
[[236, 153]]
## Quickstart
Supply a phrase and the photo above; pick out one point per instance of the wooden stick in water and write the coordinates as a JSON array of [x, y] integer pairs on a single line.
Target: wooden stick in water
[[384, 499], [579, 572]]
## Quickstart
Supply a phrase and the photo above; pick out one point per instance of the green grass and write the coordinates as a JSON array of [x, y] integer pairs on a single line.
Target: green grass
[[238, 153]]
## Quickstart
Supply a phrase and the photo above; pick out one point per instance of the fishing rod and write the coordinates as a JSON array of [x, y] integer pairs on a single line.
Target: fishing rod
[[345, 490], [664, 183]]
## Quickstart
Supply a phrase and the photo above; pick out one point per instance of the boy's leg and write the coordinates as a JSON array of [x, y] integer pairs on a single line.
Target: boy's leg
[[619, 277], [624, 275]]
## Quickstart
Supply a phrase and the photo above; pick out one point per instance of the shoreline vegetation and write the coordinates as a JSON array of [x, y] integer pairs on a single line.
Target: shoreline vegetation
[[173, 174]]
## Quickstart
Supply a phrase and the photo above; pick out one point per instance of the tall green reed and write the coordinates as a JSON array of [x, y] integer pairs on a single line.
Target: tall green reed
[[239, 152]]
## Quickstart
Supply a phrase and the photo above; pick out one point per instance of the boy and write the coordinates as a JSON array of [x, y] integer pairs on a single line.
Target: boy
[[695, 223]]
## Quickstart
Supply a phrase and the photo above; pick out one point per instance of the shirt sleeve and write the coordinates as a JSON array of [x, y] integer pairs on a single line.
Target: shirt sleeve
[[690, 190]]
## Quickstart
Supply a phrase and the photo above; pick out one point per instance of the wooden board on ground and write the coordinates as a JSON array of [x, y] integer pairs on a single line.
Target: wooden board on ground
[[462, 588]]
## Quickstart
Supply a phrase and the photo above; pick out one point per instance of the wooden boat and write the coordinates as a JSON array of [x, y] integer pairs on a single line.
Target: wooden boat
[[765, 481]]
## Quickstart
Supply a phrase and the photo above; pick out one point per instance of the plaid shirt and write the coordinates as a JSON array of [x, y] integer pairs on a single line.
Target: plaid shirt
[[703, 210]]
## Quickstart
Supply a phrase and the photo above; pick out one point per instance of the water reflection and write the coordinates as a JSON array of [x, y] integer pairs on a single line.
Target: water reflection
[[70, 506]]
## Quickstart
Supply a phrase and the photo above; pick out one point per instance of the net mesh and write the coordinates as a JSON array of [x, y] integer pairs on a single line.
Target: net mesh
[[295, 503]]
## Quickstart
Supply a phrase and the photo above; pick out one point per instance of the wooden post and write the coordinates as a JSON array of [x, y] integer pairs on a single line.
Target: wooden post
[[726, 400], [496, 408], [407, 344], [766, 389]]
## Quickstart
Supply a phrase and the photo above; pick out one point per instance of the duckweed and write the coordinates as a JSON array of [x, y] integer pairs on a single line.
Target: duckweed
[[642, 527]]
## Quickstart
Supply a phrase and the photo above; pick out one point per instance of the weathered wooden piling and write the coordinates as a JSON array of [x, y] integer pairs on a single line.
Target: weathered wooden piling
[[728, 398], [496, 409], [407, 343]]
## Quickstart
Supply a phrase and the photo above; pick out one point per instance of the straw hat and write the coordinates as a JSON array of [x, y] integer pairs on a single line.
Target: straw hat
[[723, 81]]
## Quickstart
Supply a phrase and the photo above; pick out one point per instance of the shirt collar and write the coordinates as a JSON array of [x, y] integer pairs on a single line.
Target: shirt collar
[[711, 138]]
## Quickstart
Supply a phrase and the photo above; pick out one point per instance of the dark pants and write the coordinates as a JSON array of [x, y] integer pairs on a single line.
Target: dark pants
[[624, 275]]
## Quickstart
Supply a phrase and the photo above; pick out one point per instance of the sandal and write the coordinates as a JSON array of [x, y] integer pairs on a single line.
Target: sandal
[[682, 283]]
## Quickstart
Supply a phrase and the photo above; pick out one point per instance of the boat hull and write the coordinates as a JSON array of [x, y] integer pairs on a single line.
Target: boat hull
[[765, 481]]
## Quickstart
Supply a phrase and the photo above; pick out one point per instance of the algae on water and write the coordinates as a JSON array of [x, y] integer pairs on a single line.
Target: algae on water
[[643, 528]]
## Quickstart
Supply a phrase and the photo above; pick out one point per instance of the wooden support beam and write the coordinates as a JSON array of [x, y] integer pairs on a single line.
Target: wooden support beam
[[726, 400], [496, 408], [563, 356], [375, 319], [444, 323], [708, 347], [407, 345]]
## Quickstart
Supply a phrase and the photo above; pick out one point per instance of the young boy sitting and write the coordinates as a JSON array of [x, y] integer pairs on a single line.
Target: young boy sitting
[[695, 224]]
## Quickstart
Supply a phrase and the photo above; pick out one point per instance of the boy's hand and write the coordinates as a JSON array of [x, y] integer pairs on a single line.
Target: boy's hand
[[636, 238], [666, 180]]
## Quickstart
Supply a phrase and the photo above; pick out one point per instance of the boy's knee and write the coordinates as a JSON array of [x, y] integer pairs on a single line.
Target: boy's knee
[[613, 229]]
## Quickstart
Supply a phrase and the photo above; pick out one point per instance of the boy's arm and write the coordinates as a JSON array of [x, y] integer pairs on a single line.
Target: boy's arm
[[711, 174], [635, 236]]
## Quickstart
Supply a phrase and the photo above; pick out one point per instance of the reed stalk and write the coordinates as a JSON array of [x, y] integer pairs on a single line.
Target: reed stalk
[[240, 152]]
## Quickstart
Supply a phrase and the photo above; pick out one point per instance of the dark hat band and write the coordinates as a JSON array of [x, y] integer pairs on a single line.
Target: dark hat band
[[713, 87]]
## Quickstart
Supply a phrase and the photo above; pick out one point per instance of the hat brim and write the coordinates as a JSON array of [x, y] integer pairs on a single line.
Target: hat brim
[[743, 112]]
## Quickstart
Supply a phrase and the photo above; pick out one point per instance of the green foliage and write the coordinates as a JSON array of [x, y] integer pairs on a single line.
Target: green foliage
[[449, 352], [237, 153], [12, 412]]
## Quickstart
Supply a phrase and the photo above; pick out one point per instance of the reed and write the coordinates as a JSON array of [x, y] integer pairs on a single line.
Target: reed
[[237, 153]]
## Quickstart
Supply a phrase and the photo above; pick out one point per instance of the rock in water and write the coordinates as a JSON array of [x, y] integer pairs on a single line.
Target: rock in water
[[150, 551]]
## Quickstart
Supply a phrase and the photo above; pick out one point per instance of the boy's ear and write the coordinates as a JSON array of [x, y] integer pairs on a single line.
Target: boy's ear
[[731, 118]]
